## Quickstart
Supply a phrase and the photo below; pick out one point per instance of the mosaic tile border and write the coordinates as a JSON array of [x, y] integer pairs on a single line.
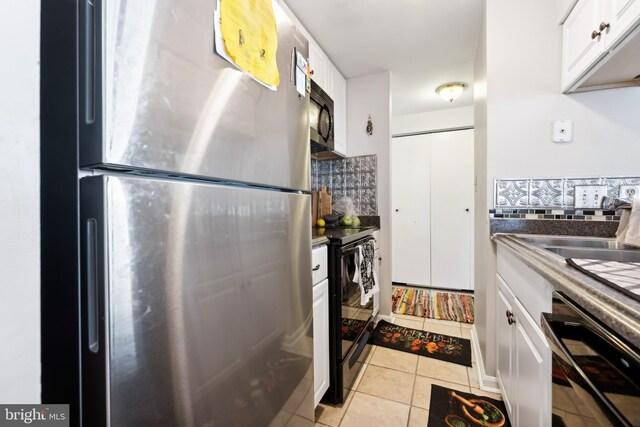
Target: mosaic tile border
[[551, 192], [354, 177], [565, 214]]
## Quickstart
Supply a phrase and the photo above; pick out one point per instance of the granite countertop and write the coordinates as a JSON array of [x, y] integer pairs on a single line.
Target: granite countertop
[[613, 308], [318, 240]]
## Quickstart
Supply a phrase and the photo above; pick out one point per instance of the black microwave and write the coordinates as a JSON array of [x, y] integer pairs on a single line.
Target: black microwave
[[320, 119]]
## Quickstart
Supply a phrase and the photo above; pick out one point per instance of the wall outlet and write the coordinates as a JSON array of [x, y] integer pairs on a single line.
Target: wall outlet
[[629, 191], [562, 131], [589, 196]]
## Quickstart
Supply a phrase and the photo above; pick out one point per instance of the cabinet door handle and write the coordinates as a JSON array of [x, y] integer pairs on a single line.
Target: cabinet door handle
[[510, 318], [595, 34], [604, 26], [316, 268]]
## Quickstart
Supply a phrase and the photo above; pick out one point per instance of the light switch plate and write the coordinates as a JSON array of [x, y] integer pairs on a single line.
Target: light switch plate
[[589, 196], [629, 192]]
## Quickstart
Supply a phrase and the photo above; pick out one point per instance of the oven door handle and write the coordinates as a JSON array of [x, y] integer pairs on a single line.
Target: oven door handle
[[558, 348], [351, 249]]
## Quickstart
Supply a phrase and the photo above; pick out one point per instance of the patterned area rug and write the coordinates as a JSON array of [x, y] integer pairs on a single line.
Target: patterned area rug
[[433, 304], [447, 409], [424, 343]]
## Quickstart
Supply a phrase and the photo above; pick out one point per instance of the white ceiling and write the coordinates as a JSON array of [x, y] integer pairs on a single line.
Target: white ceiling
[[424, 43]]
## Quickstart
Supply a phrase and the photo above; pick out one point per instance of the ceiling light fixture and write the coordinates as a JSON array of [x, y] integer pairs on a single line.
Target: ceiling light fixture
[[451, 91]]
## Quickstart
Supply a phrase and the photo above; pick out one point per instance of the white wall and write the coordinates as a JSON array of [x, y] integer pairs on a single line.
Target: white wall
[[483, 270], [524, 98], [432, 120], [20, 204], [522, 61], [371, 96]]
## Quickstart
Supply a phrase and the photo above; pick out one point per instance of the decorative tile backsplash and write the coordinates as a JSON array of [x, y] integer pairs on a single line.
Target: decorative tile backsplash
[[353, 177], [551, 193]]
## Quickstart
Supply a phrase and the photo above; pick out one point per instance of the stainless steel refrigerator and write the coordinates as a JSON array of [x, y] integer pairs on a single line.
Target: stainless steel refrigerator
[[196, 293]]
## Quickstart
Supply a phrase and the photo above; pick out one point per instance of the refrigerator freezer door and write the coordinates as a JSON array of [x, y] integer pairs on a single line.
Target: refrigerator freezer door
[[197, 304], [170, 103]]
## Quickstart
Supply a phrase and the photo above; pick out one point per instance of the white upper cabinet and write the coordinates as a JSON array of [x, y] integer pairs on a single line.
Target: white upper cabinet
[[339, 96], [320, 66], [564, 8], [580, 49], [601, 45], [621, 16]]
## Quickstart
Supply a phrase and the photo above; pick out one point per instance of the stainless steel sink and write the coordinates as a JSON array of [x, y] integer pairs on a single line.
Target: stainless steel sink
[[621, 255], [576, 243]]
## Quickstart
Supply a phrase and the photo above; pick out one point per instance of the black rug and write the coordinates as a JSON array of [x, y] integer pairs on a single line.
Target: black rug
[[429, 344], [445, 410]]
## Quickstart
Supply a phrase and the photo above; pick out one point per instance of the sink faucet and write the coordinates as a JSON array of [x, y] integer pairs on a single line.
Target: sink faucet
[[615, 203]]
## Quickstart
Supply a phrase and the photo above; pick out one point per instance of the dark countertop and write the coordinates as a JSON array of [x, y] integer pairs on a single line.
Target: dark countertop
[[610, 306], [342, 236], [318, 241], [558, 227]]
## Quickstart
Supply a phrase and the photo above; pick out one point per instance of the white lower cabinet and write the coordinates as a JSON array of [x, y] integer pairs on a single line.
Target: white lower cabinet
[[533, 372], [320, 323], [320, 340], [505, 339], [523, 365]]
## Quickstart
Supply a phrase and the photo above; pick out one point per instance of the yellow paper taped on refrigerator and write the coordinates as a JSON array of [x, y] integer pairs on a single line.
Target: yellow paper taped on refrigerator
[[250, 37]]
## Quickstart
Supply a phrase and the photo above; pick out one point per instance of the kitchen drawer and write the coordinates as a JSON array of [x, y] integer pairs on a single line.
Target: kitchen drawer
[[319, 264], [533, 291]]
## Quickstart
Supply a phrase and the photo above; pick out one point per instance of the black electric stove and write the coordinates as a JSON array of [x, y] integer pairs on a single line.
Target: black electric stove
[[343, 235], [350, 322]]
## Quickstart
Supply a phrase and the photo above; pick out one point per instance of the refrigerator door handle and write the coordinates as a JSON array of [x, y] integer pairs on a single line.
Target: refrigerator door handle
[[89, 35], [92, 285]]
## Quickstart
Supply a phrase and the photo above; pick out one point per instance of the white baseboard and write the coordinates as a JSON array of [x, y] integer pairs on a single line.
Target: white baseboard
[[389, 318], [487, 382]]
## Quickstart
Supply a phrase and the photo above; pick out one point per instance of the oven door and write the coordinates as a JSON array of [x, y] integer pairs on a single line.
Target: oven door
[[355, 315], [596, 375]]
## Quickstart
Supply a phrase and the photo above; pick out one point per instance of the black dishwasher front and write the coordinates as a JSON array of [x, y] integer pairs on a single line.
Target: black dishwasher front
[[595, 373]]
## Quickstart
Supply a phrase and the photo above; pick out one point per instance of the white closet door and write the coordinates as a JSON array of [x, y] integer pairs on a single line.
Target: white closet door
[[411, 210], [451, 213]]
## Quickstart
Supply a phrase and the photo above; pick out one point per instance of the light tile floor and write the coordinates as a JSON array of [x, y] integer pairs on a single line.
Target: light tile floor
[[394, 388]]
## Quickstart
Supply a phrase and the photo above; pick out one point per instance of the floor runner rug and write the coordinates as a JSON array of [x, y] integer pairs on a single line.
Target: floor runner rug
[[433, 304], [447, 410], [429, 344]]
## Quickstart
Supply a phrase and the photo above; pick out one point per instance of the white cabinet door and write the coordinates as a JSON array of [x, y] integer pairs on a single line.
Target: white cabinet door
[[339, 96], [533, 367], [523, 362], [505, 338], [411, 210], [451, 217], [621, 16], [320, 340], [319, 65], [579, 49]]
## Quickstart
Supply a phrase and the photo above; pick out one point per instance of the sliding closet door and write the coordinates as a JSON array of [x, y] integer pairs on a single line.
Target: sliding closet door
[[452, 174], [411, 210]]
